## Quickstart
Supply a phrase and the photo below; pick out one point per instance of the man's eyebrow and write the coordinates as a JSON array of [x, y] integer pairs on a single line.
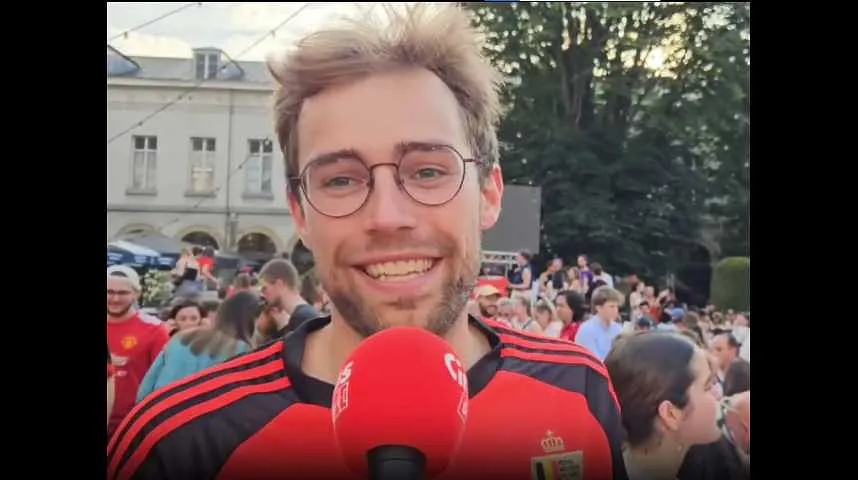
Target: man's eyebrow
[[399, 149]]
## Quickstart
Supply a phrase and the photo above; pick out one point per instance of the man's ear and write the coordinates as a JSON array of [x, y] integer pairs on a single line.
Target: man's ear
[[492, 195], [298, 216]]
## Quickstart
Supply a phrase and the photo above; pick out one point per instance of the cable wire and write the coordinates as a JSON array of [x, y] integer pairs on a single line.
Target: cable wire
[[154, 20], [200, 83]]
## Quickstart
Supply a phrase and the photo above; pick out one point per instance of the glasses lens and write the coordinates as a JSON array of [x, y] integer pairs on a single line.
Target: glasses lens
[[433, 176], [337, 187]]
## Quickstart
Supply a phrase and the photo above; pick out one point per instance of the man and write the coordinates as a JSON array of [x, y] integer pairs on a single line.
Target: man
[[280, 286], [725, 348], [134, 339], [389, 139], [487, 300], [597, 334]]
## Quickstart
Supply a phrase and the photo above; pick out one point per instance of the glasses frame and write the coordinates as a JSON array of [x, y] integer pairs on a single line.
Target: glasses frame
[[298, 183]]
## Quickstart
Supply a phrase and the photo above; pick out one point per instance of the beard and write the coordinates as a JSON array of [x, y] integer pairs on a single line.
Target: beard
[[119, 312], [461, 269]]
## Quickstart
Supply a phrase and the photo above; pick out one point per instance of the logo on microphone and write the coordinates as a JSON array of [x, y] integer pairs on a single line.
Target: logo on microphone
[[457, 371], [340, 401]]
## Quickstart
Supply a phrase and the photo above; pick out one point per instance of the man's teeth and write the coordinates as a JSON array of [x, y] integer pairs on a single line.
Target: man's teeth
[[399, 270]]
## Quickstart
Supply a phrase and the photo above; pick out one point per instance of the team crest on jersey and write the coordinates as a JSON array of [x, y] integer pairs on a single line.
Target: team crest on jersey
[[560, 466], [129, 342], [557, 464]]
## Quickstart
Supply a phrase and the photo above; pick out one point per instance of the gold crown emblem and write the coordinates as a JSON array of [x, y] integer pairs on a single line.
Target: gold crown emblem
[[552, 443]]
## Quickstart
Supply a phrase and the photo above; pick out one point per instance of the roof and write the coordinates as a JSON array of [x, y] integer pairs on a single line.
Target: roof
[[181, 69]]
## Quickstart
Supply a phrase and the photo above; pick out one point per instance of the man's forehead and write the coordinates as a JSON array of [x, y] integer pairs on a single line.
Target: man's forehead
[[118, 281]]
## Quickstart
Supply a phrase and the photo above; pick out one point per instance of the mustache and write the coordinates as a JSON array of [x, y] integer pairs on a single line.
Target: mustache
[[378, 244]]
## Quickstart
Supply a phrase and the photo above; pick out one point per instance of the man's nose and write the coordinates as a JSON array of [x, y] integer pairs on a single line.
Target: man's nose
[[388, 208]]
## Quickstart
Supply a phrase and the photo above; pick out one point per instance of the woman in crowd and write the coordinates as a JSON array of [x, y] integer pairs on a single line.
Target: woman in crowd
[[546, 317], [196, 349], [185, 314], [663, 383], [186, 274]]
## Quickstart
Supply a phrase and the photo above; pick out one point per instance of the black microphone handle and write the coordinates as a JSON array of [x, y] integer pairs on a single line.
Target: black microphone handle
[[396, 462]]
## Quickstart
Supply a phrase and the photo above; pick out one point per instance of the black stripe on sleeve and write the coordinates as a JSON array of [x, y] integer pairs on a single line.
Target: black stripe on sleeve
[[208, 434], [154, 399], [603, 406], [202, 448]]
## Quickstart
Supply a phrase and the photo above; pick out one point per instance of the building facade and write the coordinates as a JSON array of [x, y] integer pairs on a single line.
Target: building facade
[[192, 152]]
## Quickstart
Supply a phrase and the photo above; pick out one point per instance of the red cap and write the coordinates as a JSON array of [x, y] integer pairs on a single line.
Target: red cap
[[405, 387]]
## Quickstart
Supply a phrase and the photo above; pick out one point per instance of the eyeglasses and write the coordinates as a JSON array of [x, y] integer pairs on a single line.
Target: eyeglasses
[[339, 185], [118, 293]]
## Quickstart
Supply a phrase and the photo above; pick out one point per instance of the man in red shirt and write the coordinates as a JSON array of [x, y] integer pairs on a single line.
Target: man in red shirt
[[133, 338], [388, 133]]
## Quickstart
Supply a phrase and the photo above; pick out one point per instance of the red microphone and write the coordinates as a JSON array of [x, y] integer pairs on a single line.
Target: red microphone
[[400, 405]]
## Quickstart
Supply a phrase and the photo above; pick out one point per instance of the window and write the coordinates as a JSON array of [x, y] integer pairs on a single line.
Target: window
[[144, 163], [202, 165], [207, 65], [257, 170]]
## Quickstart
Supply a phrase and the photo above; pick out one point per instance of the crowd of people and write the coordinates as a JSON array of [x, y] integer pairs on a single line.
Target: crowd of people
[[241, 389]]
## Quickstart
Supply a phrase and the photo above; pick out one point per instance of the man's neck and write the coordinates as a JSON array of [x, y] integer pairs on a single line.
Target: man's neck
[[328, 348], [291, 301], [121, 318], [604, 321]]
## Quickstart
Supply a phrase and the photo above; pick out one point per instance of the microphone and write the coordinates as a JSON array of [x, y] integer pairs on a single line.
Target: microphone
[[400, 405]]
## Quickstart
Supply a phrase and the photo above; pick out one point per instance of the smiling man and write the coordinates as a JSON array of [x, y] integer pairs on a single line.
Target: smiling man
[[391, 153]]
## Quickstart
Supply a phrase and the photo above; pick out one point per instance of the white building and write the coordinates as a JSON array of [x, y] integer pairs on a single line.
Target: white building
[[205, 168]]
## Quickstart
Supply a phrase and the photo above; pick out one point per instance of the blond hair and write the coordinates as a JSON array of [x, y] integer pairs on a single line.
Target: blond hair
[[437, 38]]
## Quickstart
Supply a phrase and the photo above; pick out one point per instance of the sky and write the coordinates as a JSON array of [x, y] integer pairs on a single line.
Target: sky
[[232, 27]]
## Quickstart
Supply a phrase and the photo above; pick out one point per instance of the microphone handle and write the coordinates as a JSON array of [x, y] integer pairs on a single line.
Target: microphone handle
[[396, 462]]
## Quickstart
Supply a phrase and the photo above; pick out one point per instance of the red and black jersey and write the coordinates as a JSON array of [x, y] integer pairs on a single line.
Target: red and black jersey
[[540, 408]]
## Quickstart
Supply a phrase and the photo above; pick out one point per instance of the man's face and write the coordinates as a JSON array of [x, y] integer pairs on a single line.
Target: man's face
[[582, 261], [489, 305], [609, 310], [370, 120], [188, 317], [120, 296], [564, 312], [272, 291], [722, 351]]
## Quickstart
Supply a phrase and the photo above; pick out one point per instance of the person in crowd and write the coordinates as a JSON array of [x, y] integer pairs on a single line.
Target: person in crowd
[[725, 347], [586, 275], [521, 277], [186, 274], [403, 111], [662, 381], [134, 339], [279, 283], [506, 315], [598, 332], [546, 316], [737, 378], [241, 283], [599, 273], [637, 302], [185, 314], [643, 324], [573, 276], [487, 297], [210, 307], [195, 349], [553, 279], [206, 262], [571, 310], [312, 291], [522, 313]]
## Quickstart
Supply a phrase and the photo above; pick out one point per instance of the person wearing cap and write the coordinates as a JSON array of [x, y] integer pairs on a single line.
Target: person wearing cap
[[487, 301], [134, 339]]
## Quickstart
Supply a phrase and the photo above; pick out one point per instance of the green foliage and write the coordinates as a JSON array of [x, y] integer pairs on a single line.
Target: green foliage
[[634, 119], [731, 284], [157, 288]]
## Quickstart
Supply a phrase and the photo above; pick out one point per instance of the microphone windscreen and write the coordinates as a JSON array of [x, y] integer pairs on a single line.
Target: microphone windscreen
[[405, 387]]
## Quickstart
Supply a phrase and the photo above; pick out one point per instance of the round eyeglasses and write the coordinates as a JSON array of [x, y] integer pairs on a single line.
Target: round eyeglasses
[[339, 185]]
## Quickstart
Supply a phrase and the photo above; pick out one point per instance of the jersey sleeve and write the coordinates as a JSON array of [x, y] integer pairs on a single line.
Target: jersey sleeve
[[605, 408], [159, 340]]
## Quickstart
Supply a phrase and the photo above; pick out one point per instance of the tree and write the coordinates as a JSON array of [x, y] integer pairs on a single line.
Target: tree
[[626, 115]]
